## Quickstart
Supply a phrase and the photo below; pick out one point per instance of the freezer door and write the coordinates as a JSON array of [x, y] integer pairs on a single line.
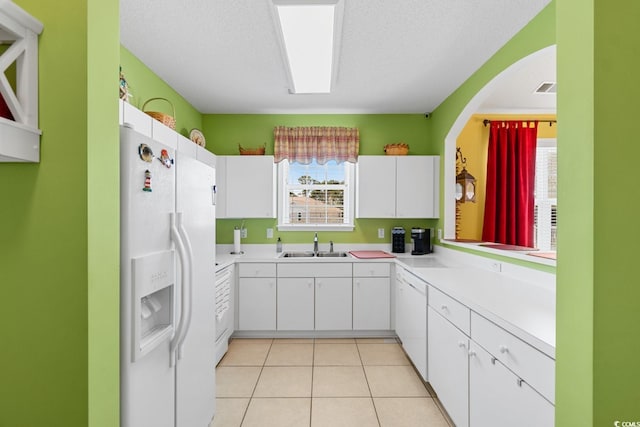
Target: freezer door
[[195, 370], [147, 199]]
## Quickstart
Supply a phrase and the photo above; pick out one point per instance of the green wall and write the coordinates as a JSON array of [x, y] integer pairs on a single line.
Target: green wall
[[538, 34], [58, 257], [144, 84], [225, 131], [598, 292]]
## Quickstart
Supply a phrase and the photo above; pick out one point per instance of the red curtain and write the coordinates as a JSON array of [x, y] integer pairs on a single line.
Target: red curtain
[[511, 165]]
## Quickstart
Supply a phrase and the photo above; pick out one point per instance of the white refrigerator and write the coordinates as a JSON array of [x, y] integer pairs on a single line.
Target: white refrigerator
[[167, 294]]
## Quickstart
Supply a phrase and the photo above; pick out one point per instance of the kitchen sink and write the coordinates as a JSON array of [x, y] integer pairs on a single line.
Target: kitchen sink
[[297, 255], [305, 254], [331, 254]]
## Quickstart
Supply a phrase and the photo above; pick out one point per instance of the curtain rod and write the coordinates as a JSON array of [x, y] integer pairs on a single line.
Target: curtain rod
[[551, 122]]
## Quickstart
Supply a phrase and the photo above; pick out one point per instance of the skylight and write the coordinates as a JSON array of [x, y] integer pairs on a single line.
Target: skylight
[[308, 36]]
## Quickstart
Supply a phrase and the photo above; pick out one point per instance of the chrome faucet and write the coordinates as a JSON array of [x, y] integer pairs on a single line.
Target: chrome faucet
[[315, 244]]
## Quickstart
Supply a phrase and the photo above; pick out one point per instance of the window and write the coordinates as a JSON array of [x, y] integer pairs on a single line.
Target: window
[[546, 195], [314, 196]]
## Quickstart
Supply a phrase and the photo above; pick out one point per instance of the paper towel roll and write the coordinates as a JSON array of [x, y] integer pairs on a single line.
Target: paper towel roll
[[236, 241]]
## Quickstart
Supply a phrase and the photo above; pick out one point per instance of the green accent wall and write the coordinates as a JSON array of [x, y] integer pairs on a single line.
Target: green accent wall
[[144, 84], [58, 255], [598, 292], [538, 34], [224, 132]]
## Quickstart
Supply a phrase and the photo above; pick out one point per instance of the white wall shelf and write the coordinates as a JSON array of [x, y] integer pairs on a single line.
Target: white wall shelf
[[20, 137]]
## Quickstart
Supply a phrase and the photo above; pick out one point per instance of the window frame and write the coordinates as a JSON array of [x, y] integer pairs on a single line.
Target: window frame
[[545, 205], [349, 202]]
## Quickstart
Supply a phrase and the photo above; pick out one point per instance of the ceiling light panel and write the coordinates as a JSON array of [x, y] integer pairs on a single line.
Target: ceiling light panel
[[308, 37]]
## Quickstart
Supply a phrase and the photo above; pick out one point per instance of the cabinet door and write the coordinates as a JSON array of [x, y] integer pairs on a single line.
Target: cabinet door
[[414, 303], [376, 187], [250, 187], [371, 305], [449, 367], [401, 314], [257, 304], [498, 399], [333, 303], [417, 179], [295, 304]]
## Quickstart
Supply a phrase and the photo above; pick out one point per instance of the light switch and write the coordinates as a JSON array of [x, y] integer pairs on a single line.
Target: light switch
[[380, 233], [269, 233]]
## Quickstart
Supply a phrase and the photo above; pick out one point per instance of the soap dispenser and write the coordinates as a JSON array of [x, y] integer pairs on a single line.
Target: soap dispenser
[[279, 245]]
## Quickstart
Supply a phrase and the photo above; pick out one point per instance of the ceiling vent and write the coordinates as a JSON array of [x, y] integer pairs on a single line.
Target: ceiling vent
[[547, 87]]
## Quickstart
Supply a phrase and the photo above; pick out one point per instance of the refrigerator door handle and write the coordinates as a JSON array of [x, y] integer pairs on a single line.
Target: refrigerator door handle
[[187, 290], [184, 274]]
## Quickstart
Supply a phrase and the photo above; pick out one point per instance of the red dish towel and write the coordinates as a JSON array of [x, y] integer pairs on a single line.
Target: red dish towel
[[371, 254]]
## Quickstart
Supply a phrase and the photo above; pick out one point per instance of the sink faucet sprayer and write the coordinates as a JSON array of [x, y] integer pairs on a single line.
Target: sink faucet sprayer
[[315, 244]]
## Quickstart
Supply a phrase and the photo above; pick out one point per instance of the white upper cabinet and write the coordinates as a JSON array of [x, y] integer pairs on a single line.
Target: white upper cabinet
[[397, 187], [246, 187]]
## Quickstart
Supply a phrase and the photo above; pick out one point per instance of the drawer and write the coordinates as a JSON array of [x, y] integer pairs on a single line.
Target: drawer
[[534, 367], [257, 269], [450, 309], [371, 269], [314, 269]]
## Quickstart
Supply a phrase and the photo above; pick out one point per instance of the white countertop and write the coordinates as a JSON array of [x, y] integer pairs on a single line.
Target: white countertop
[[524, 309], [516, 302]]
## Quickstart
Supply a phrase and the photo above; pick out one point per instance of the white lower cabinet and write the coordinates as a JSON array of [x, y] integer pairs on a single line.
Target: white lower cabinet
[[256, 303], [295, 304], [333, 304], [314, 296], [411, 318], [371, 303], [449, 367], [499, 398], [371, 296]]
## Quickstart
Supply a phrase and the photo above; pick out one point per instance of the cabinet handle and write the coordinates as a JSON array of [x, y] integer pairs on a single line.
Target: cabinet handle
[[519, 381], [443, 307], [493, 360], [472, 353], [504, 349], [462, 344], [371, 272]]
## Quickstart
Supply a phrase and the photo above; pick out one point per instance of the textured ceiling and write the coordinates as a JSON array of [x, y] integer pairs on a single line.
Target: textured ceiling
[[397, 56]]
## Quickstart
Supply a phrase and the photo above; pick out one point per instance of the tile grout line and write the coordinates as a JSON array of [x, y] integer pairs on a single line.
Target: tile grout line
[[256, 384], [373, 403]]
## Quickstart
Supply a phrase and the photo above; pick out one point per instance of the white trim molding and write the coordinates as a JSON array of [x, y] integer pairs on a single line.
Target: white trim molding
[[19, 138]]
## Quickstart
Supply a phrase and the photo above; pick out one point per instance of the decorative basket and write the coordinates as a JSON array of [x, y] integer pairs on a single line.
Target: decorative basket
[[259, 151], [400, 149], [163, 118]]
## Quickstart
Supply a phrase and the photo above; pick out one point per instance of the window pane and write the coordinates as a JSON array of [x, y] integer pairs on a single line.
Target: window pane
[[316, 193]]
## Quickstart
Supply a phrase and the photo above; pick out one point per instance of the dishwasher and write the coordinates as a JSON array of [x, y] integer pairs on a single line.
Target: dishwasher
[[223, 310]]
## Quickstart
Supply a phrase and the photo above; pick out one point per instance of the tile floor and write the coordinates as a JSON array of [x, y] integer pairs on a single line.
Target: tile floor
[[321, 382]]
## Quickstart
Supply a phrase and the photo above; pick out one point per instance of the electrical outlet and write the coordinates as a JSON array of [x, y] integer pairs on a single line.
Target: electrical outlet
[[269, 233], [380, 233], [496, 266], [439, 233], [243, 233]]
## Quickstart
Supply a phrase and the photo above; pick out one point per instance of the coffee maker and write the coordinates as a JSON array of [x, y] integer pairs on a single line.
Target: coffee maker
[[421, 241]]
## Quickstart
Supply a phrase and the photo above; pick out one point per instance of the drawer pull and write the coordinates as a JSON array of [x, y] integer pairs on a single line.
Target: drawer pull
[[443, 307], [504, 349], [472, 353], [493, 360], [461, 344], [519, 381]]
